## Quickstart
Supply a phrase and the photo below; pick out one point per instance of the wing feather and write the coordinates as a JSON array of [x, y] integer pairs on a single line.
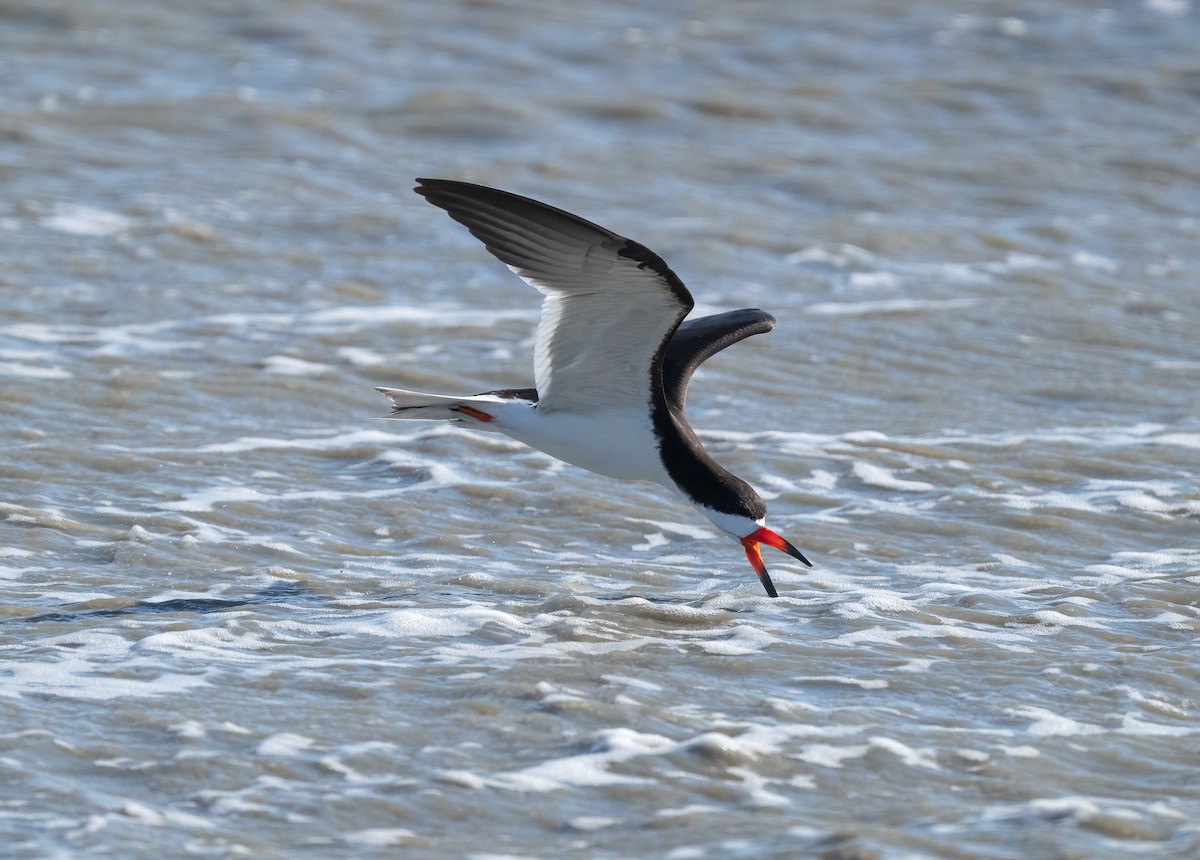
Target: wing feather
[[610, 305], [698, 340]]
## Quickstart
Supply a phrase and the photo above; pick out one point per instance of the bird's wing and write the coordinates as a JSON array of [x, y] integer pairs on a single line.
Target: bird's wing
[[610, 304], [698, 340]]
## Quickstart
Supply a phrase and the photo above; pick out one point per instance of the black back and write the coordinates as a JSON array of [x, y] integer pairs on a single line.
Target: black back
[[545, 245]]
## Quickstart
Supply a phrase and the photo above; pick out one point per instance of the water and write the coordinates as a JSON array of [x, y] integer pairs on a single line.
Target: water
[[243, 617]]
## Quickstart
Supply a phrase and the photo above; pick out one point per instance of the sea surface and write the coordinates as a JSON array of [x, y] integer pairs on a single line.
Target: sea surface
[[243, 616]]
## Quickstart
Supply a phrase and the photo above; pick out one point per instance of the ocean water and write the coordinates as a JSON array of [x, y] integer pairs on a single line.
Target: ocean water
[[243, 616]]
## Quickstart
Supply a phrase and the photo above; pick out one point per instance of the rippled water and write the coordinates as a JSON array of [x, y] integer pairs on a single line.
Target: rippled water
[[244, 617]]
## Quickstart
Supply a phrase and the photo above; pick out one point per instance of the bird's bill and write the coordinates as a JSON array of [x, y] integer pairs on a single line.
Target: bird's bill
[[754, 554]]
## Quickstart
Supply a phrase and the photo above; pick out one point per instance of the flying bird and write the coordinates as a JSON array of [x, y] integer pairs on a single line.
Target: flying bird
[[612, 360]]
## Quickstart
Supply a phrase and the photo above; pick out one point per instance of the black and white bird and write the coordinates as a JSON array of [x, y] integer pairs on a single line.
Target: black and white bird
[[612, 361]]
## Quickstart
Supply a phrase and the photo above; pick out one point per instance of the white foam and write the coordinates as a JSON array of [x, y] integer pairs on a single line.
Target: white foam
[[822, 480], [431, 622], [1088, 260], [687, 530], [80, 220], [864, 683], [361, 357], [285, 744], [1135, 564], [1053, 500], [1169, 8], [588, 823], [636, 683], [1013, 561], [1054, 618], [438, 475], [338, 442], [875, 600], [142, 814], [206, 500], [288, 365], [744, 641], [463, 778], [190, 729], [1049, 724], [972, 756], [828, 755], [82, 672], [29, 371], [1142, 501], [132, 340], [453, 316], [591, 769], [1133, 724], [754, 788], [748, 745], [1156, 705], [1183, 440], [690, 809], [923, 758], [882, 281], [1007, 639], [381, 837], [45, 333], [1078, 807], [886, 306], [653, 541], [877, 476], [839, 255]]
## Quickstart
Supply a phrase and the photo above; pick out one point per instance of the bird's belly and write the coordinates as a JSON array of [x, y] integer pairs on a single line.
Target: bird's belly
[[617, 446]]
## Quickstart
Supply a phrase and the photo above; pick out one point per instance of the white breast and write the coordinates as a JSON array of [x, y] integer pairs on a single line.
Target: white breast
[[615, 444]]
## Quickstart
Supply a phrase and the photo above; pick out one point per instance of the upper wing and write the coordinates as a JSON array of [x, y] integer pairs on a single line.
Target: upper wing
[[698, 340], [610, 304]]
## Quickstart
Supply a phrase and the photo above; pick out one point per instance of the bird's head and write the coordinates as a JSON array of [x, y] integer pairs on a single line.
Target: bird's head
[[750, 533]]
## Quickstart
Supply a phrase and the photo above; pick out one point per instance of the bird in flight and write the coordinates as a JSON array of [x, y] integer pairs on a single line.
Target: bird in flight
[[612, 360]]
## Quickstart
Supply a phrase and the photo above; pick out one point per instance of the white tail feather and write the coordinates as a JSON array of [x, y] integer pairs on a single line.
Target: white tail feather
[[436, 407]]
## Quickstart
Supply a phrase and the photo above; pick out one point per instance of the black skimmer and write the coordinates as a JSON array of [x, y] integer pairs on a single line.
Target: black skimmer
[[612, 361]]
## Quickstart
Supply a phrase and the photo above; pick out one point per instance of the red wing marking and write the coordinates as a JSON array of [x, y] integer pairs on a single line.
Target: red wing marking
[[477, 414]]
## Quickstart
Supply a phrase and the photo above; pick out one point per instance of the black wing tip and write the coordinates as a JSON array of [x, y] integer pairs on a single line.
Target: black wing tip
[[756, 319], [429, 188], [441, 192]]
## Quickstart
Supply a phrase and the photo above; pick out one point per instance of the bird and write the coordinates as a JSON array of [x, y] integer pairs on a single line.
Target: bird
[[612, 360]]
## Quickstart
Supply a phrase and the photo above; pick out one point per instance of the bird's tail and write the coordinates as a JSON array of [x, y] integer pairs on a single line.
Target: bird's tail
[[476, 409]]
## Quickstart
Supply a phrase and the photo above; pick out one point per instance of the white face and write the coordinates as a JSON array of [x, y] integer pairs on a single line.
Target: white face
[[733, 525]]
